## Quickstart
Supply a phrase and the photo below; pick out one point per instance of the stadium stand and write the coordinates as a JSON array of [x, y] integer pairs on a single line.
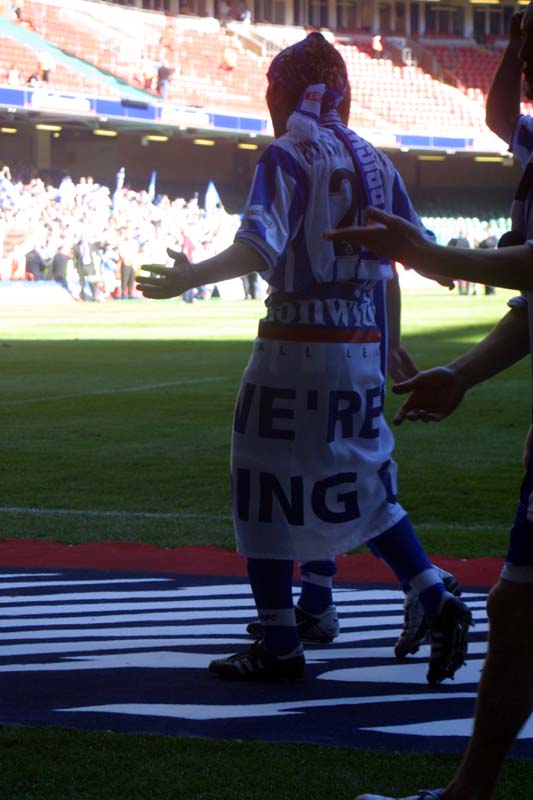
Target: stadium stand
[[472, 66], [25, 47], [107, 50], [408, 97], [27, 61], [469, 66], [474, 229], [211, 66], [73, 29], [223, 67]]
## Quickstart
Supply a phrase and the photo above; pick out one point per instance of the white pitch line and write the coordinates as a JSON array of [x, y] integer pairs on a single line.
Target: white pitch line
[[61, 512], [458, 526], [454, 526], [144, 388]]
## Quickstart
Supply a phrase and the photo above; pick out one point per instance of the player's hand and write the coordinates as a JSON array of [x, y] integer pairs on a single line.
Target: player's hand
[[165, 282], [433, 395], [385, 234], [400, 365], [442, 280], [389, 236]]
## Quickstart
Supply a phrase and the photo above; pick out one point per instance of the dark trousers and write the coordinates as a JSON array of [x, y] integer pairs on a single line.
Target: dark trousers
[[87, 286], [127, 280]]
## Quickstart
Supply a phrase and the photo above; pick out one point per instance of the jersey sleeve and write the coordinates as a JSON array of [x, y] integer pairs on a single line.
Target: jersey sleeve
[[521, 300], [275, 206], [518, 301], [521, 144]]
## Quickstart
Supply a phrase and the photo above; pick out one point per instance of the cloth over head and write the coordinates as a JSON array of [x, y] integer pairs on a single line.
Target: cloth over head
[[314, 72]]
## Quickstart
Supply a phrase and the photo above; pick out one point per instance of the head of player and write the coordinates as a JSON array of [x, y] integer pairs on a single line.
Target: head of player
[[311, 62], [526, 51]]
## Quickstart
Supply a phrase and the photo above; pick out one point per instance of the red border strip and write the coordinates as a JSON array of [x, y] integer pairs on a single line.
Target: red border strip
[[314, 333], [362, 567]]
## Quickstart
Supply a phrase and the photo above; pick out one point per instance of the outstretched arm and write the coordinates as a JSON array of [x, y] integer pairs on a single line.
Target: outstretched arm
[[392, 237], [164, 282], [435, 393]]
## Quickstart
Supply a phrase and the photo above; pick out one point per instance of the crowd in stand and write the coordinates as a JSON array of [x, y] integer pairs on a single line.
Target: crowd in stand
[[476, 231], [92, 240]]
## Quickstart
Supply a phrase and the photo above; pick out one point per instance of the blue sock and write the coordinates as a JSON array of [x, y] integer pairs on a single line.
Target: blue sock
[[271, 582], [401, 549], [317, 582]]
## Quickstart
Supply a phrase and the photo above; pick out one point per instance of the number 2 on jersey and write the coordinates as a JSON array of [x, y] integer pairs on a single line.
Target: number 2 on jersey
[[353, 214]]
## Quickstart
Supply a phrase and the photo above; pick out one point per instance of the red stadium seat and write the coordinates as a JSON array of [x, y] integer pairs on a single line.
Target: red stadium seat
[[401, 97]]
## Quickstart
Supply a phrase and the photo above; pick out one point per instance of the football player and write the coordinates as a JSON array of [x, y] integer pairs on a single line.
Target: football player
[[311, 462]]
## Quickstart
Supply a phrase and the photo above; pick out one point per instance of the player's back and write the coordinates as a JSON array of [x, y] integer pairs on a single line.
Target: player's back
[[300, 189]]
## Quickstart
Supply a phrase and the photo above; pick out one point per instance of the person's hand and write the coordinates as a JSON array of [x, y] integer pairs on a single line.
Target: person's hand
[[442, 280], [433, 395], [385, 234], [389, 236], [165, 282], [400, 365]]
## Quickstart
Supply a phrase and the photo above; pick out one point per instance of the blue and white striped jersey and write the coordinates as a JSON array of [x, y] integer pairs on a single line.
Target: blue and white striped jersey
[[300, 189], [521, 146]]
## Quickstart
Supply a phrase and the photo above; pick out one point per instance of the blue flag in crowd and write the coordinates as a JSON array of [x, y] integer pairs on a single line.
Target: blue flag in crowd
[[212, 197], [151, 185]]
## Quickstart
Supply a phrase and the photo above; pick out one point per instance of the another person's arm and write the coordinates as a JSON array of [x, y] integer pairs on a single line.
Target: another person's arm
[[435, 393], [164, 282], [394, 238], [503, 99]]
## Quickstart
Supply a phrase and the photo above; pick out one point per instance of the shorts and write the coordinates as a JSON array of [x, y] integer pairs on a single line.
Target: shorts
[[519, 559], [312, 472]]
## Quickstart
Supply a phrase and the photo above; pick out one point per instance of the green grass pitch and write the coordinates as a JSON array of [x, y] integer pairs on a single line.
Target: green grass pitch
[[123, 410]]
